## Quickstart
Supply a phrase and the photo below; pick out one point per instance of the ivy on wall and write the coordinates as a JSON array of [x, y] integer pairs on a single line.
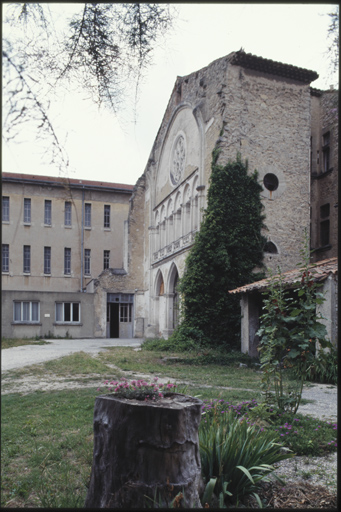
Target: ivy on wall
[[226, 251]]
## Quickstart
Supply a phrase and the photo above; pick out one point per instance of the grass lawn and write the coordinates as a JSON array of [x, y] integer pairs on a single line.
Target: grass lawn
[[47, 436], [16, 342]]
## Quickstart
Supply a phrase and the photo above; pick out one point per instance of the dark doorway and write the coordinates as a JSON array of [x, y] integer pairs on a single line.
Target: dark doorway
[[113, 320]]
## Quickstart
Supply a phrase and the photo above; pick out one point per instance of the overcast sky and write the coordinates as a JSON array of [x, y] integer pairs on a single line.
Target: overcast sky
[[101, 147]]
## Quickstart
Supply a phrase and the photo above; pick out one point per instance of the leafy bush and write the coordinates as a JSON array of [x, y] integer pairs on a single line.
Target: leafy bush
[[300, 433], [324, 370], [237, 454], [290, 328], [185, 340]]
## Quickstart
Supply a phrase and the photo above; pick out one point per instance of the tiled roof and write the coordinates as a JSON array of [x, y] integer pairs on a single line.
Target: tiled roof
[[320, 271], [247, 60], [53, 180]]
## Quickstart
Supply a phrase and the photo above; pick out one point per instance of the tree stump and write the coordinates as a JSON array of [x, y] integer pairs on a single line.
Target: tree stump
[[145, 449]]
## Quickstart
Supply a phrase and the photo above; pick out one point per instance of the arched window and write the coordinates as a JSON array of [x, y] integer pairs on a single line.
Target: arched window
[[270, 248], [157, 232], [177, 231], [163, 227], [195, 209], [170, 226], [159, 285], [187, 212]]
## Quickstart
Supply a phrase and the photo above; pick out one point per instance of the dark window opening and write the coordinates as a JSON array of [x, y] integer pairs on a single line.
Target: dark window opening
[[324, 233], [106, 259], [107, 215], [270, 182], [270, 248], [5, 209], [325, 211], [326, 152]]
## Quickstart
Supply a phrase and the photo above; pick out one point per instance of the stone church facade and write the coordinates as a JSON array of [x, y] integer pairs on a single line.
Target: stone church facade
[[242, 104]]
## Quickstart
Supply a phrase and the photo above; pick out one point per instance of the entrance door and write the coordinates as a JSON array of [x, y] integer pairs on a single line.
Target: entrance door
[[120, 315], [113, 310]]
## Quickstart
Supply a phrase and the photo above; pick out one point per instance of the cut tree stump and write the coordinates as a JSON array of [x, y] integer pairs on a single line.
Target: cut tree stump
[[145, 449]]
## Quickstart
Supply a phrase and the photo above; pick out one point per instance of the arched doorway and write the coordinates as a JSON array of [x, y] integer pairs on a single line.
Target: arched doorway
[[176, 302], [173, 298], [159, 304]]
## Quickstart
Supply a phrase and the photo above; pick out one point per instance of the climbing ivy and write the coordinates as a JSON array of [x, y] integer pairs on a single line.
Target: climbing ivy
[[227, 249]]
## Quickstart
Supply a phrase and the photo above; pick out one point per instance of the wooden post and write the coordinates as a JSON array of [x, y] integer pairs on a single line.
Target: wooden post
[[145, 447]]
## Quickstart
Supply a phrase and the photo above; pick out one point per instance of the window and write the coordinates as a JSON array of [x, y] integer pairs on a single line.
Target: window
[[324, 224], [27, 259], [270, 182], [270, 248], [67, 213], [125, 312], [324, 211], [324, 233], [48, 212], [87, 258], [47, 260], [87, 215], [107, 215], [67, 260], [27, 210], [5, 209], [26, 311], [106, 259], [326, 152], [67, 312], [5, 258]]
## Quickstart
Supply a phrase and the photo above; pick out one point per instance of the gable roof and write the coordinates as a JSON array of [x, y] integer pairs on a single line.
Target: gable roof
[[247, 60], [320, 271], [62, 181]]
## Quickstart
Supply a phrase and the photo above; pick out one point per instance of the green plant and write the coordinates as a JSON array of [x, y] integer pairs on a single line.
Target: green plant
[[138, 389], [231, 226], [290, 330], [237, 454], [324, 369]]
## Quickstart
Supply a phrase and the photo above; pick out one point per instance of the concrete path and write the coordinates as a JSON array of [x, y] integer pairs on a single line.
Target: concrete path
[[17, 357]]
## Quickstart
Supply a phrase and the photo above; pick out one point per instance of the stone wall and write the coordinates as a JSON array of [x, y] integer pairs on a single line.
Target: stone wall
[[324, 183]]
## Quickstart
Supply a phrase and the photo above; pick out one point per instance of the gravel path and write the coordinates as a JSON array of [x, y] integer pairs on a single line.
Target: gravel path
[[18, 357]]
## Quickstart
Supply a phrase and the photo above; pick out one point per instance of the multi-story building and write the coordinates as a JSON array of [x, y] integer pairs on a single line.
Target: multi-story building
[[265, 111], [57, 235]]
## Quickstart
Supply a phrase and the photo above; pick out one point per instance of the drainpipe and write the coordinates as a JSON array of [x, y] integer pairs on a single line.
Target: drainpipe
[[82, 241]]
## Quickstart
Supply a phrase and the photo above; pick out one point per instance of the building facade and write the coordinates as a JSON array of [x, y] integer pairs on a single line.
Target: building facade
[[241, 103], [263, 110], [324, 175], [57, 234]]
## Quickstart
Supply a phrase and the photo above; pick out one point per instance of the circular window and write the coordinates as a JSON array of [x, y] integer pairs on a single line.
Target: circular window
[[178, 160], [270, 182]]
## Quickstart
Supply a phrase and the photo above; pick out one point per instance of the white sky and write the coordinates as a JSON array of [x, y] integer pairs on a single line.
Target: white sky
[[101, 147]]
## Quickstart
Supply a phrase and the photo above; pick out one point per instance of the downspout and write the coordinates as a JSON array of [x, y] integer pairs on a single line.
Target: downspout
[[82, 241]]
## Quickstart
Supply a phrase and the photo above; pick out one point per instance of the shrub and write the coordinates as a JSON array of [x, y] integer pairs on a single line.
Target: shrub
[[290, 329], [237, 454], [324, 370]]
